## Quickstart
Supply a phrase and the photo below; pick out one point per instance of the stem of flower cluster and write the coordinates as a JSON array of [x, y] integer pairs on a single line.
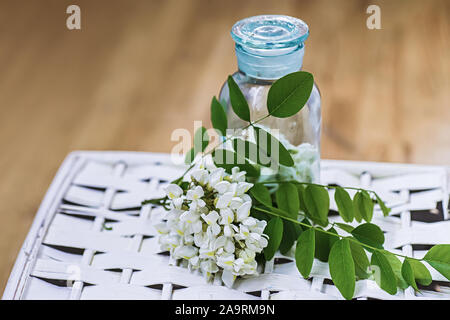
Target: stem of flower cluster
[[180, 179]]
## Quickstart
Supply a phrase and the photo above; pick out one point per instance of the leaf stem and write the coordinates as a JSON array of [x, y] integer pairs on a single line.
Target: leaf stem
[[330, 233], [315, 184]]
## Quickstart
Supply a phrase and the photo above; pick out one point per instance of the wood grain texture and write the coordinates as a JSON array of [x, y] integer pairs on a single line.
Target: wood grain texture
[[139, 69]]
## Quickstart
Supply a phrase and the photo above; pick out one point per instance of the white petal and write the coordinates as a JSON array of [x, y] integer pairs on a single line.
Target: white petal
[[216, 177], [178, 202], [244, 211], [235, 203], [250, 222], [162, 228], [243, 187], [224, 200], [227, 216], [220, 242], [215, 229], [228, 278], [211, 217], [227, 231], [222, 187], [229, 246], [200, 175], [173, 191], [197, 227]]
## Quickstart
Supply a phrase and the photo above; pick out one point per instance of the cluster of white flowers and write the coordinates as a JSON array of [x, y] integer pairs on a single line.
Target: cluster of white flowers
[[209, 224]]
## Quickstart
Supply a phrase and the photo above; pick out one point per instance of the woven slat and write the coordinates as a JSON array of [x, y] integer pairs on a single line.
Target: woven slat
[[70, 253]]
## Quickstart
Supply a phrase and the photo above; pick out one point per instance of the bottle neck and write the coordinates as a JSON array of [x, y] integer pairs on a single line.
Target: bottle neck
[[269, 64]]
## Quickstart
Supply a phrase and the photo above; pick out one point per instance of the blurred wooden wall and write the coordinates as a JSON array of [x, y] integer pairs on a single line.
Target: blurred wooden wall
[[139, 69]]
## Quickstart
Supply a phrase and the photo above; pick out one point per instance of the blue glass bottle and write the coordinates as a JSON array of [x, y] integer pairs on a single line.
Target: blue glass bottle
[[269, 47]]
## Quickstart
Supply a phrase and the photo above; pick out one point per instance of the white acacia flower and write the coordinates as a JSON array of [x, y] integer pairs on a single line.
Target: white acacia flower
[[185, 252], [209, 266], [213, 230], [207, 252], [224, 242], [226, 261], [201, 240], [222, 187], [209, 224], [195, 195], [224, 200], [249, 222], [228, 230], [211, 217], [242, 188], [162, 228], [242, 233], [226, 216], [244, 211], [228, 278], [256, 245], [200, 175], [237, 175], [236, 202], [247, 255], [215, 177], [173, 191]]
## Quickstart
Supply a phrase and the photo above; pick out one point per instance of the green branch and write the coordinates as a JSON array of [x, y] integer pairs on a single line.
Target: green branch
[[329, 233]]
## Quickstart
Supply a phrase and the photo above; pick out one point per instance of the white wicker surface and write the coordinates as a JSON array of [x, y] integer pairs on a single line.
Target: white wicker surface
[[70, 254]]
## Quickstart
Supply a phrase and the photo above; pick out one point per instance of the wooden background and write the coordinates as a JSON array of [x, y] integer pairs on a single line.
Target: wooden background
[[139, 69]]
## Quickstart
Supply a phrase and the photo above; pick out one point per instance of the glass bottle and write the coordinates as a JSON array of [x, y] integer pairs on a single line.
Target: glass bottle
[[269, 47]]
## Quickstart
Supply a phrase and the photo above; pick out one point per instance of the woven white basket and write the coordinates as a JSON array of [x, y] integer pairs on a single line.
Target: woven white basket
[[69, 254]]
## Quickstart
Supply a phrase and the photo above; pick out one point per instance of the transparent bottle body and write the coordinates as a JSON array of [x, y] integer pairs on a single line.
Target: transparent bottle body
[[300, 133]]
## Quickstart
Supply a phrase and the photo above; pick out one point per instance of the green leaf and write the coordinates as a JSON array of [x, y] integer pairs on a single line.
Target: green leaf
[[304, 252], [360, 259], [251, 151], [383, 273], [289, 94], [273, 148], [301, 198], [105, 227], [201, 141], [260, 192], [421, 273], [413, 270], [218, 117], [396, 266], [346, 227], [408, 274], [363, 205], [342, 268], [439, 258], [317, 203], [287, 199], [190, 156], [369, 234], [237, 99], [229, 159], [274, 230], [344, 204], [291, 232], [324, 243], [383, 207]]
